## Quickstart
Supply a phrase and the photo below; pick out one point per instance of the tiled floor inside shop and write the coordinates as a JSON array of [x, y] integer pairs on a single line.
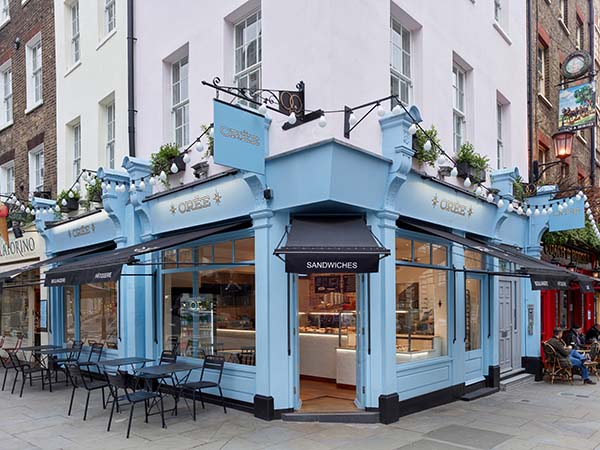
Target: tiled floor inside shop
[[321, 396], [529, 416]]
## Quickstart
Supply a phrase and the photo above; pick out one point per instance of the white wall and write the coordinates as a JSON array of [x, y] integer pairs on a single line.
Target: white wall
[[80, 89], [341, 51]]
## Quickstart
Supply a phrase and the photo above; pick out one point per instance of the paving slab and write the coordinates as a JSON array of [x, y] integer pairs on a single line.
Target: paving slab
[[468, 436]]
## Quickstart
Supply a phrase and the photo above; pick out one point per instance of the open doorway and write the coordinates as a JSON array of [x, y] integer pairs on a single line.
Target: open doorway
[[327, 306]]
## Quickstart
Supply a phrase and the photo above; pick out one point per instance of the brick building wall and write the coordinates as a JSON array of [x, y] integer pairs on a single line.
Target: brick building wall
[[37, 126], [559, 37]]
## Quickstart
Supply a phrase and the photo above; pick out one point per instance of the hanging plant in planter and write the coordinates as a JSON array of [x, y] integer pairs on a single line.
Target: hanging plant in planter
[[66, 202], [93, 193], [471, 164], [426, 153], [210, 149], [161, 161], [518, 189]]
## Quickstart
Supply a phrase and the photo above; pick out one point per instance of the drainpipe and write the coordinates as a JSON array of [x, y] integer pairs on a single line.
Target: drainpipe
[[592, 70], [130, 79], [530, 89]]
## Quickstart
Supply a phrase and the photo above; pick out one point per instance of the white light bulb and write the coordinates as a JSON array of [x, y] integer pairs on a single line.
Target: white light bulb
[[467, 182], [427, 145], [396, 110], [132, 187], [380, 110], [352, 119], [559, 207], [585, 197], [211, 131], [27, 210], [322, 121], [510, 207], [454, 172], [571, 201], [71, 194], [200, 147], [520, 210], [262, 109], [490, 197], [57, 208], [103, 185], [544, 211], [479, 190], [142, 185], [76, 186], [442, 160], [291, 118], [163, 176], [500, 204], [529, 212], [152, 181], [64, 202], [412, 129], [578, 197], [108, 186], [536, 212], [186, 158], [587, 205], [174, 168]]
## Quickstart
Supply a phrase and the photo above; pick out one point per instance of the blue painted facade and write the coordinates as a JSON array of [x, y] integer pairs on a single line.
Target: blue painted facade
[[327, 177]]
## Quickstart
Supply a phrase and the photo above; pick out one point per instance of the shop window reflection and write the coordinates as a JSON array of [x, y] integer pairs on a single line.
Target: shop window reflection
[[403, 249], [473, 260], [16, 321], [223, 252], [98, 314]]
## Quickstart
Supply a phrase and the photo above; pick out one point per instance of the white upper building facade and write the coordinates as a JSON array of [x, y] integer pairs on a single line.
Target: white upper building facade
[[91, 86], [462, 63]]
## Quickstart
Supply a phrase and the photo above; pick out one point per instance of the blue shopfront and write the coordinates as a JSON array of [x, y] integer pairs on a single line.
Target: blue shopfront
[[339, 275]]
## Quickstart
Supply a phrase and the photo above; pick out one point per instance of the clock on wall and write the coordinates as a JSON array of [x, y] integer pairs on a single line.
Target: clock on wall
[[576, 65]]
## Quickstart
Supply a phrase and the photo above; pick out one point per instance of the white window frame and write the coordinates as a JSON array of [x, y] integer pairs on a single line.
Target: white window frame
[[579, 36], [36, 173], [6, 111], [75, 37], [110, 134], [241, 77], [7, 178], [4, 12], [180, 99], [399, 75], [459, 114], [500, 135], [563, 11], [76, 140], [541, 69], [34, 66], [110, 16]]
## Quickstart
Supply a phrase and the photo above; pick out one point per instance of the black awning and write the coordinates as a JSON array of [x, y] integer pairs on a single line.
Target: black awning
[[586, 284], [107, 266], [331, 244], [543, 275], [6, 276]]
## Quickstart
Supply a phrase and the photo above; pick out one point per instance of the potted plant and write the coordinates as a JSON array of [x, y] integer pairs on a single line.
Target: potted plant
[[69, 203], [518, 189], [471, 164], [210, 148], [162, 160], [94, 191], [426, 153]]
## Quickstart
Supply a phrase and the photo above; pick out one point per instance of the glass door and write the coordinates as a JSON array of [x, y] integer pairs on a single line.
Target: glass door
[[474, 289]]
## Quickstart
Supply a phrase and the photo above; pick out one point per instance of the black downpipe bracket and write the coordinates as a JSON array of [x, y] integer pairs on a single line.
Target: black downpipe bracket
[[131, 78]]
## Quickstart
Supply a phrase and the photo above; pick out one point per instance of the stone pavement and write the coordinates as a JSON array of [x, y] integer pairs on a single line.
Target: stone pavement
[[529, 416]]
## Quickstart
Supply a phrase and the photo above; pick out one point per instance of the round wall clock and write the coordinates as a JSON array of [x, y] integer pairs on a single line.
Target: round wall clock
[[576, 65]]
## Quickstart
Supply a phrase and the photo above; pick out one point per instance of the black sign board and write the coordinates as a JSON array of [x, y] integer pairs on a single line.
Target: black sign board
[[327, 263], [324, 284], [56, 278], [349, 283], [586, 285], [540, 282]]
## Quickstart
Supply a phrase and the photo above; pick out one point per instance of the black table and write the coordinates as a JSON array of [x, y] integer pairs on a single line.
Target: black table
[[37, 348], [57, 351], [130, 361]]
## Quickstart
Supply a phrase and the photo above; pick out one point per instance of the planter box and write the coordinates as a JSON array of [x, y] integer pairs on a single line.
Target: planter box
[[465, 170], [201, 169], [72, 205], [178, 160], [96, 198]]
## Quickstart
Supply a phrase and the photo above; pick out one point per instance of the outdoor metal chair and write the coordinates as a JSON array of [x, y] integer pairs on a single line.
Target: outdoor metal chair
[[212, 365], [118, 381], [78, 380], [555, 367], [174, 344], [29, 370], [94, 357], [7, 365]]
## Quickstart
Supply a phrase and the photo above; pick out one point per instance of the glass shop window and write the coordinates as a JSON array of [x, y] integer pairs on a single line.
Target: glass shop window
[[420, 252], [16, 307], [69, 311], [209, 310], [421, 313], [474, 260], [98, 318]]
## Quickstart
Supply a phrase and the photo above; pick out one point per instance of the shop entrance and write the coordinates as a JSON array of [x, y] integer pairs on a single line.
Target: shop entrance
[[327, 341]]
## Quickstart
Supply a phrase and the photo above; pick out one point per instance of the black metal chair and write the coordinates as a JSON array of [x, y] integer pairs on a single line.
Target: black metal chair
[[28, 369], [94, 356], [213, 364], [7, 365], [118, 381], [78, 380]]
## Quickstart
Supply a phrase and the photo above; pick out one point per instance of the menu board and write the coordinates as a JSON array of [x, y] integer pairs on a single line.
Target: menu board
[[329, 283], [349, 283]]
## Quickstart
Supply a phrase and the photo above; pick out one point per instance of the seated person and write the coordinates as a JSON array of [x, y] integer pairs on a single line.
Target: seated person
[[567, 352], [593, 334], [574, 337]]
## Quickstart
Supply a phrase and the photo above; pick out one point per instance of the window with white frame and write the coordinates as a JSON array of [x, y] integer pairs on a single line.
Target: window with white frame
[[5, 12], [7, 178], [36, 169], [180, 101], [499, 135], [76, 135], [34, 72], [459, 110], [110, 134], [6, 114], [75, 47], [563, 11], [400, 63], [543, 70], [579, 35], [110, 19], [248, 52]]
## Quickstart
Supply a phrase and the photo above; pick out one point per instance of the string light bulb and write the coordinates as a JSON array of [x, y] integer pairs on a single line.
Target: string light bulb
[[412, 129], [467, 182], [529, 212], [536, 212], [152, 181], [174, 168], [544, 211], [427, 145], [479, 190], [291, 118], [490, 197], [352, 119], [454, 172], [520, 210], [500, 204], [322, 121], [380, 110], [396, 110], [579, 195], [64, 202], [163, 176], [571, 201], [186, 158], [71, 194], [132, 187], [510, 207], [199, 147], [57, 208], [108, 186], [262, 108]]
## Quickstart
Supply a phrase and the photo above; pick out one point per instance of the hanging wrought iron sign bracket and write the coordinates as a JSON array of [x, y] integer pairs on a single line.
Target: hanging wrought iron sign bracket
[[284, 102]]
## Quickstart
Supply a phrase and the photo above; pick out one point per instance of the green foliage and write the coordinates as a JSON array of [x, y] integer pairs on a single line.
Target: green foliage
[[210, 151], [427, 156], [585, 96], [94, 190], [581, 237], [518, 190], [161, 161], [467, 154], [64, 194]]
